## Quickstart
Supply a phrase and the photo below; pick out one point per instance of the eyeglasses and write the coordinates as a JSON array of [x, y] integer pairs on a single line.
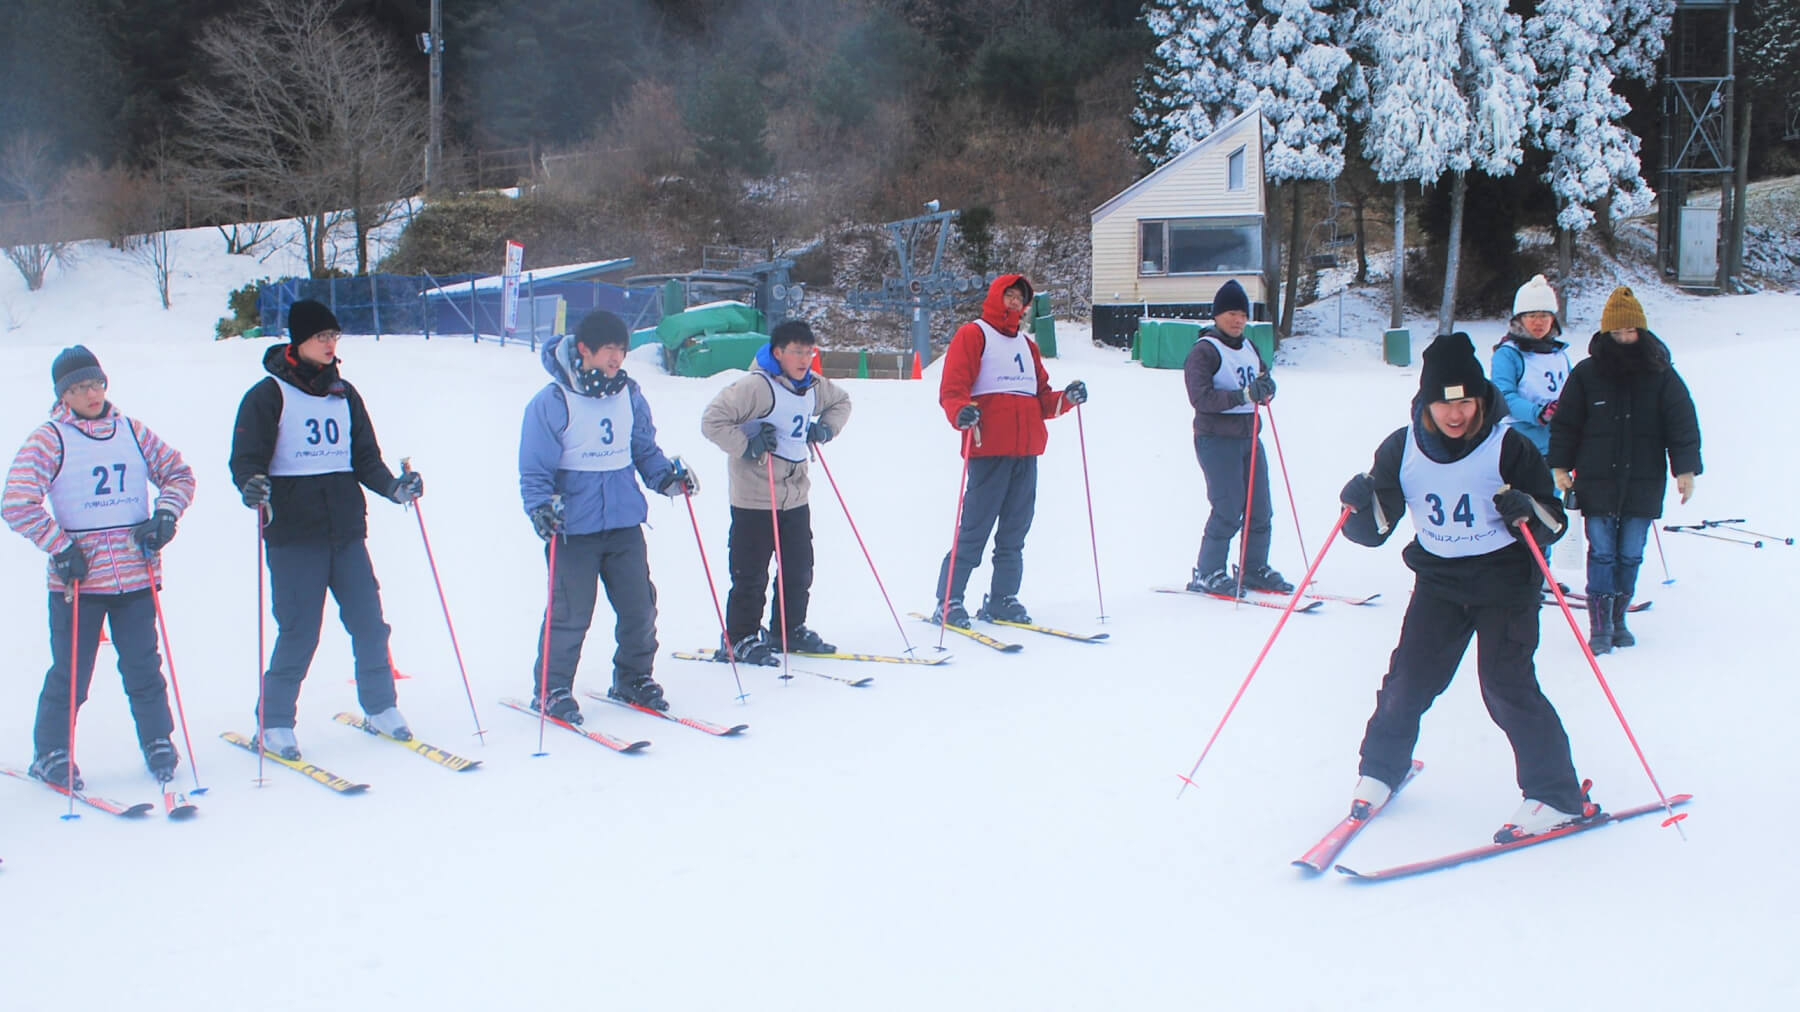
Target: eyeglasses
[[88, 387]]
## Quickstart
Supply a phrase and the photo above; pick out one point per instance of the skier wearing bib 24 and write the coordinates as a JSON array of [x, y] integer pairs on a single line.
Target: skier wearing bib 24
[[769, 420], [994, 385], [1469, 482], [301, 454], [79, 489], [586, 439]]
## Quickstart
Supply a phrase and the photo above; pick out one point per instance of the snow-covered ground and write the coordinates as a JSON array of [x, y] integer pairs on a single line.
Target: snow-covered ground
[[1000, 832]]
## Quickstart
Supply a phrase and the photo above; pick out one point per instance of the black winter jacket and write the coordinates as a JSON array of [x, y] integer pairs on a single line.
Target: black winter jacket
[[1504, 576], [1625, 422], [320, 507]]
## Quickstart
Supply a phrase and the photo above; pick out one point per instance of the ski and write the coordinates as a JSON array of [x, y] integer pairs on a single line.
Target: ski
[[93, 801], [707, 654], [980, 637], [599, 737], [1252, 601], [1052, 631], [1493, 849], [317, 774], [1579, 603], [697, 724], [876, 658], [1327, 849], [448, 760], [177, 806], [1314, 595]]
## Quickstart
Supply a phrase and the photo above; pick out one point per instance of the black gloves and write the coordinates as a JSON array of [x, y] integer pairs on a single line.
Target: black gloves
[[257, 491], [70, 564], [1515, 506], [154, 533], [819, 432], [968, 417], [680, 480], [760, 443], [547, 520], [1261, 389], [1075, 393], [409, 486], [1358, 493]]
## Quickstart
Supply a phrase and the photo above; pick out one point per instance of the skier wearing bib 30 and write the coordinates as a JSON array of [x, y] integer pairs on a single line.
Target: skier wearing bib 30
[[1469, 482]]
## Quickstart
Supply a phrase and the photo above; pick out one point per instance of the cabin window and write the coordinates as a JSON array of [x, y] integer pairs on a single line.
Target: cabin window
[[1231, 245], [1152, 248], [1234, 170]]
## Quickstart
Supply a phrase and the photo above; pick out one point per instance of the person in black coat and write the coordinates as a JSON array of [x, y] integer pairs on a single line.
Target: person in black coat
[[1624, 423], [302, 452], [1470, 483]]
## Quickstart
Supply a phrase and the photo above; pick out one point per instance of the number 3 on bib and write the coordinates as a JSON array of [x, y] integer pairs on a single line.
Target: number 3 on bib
[[1463, 513]]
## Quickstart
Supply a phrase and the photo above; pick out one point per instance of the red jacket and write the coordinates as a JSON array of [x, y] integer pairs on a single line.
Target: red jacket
[[1011, 425]]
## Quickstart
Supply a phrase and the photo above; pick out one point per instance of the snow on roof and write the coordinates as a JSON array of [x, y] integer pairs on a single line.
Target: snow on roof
[[566, 272]]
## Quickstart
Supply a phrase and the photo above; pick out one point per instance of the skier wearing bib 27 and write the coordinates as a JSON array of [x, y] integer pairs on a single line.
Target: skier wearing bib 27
[[1469, 482], [586, 439], [769, 420], [79, 489], [994, 385], [301, 454]]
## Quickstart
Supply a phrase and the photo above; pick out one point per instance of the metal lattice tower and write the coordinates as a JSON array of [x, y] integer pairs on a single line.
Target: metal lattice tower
[[920, 287], [1698, 99]]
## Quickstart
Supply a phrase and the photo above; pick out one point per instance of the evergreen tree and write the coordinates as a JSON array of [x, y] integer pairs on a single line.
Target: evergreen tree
[[1638, 29], [1196, 79]]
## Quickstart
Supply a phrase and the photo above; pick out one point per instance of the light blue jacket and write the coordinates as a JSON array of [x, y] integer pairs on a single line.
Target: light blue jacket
[[592, 500], [1507, 368]]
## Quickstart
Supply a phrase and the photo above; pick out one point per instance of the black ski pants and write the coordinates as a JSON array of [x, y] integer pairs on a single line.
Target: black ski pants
[[1225, 461], [1003, 491], [752, 544], [132, 618], [618, 559], [299, 575], [1433, 638]]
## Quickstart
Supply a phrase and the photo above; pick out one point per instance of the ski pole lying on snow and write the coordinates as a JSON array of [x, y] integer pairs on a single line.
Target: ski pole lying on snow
[[406, 466], [819, 451], [1699, 533], [1299, 591], [1675, 817]]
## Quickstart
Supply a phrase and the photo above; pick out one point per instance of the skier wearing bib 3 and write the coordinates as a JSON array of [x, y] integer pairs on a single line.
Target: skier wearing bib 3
[[1469, 482], [767, 420], [994, 385]]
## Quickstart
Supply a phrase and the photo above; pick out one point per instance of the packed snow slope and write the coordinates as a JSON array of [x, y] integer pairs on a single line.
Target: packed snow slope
[[1000, 832]]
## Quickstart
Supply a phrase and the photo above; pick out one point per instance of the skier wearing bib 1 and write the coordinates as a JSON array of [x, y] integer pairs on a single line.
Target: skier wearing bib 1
[[301, 454], [1469, 482], [79, 489], [767, 420], [994, 385]]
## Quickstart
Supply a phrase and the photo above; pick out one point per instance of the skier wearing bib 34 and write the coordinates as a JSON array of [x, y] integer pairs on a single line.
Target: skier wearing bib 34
[[995, 386], [301, 454], [80, 490], [1469, 481], [769, 420]]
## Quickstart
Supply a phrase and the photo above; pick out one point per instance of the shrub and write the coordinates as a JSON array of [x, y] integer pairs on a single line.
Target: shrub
[[244, 312]]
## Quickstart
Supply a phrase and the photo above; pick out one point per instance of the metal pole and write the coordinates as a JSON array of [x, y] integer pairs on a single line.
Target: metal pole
[[434, 148]]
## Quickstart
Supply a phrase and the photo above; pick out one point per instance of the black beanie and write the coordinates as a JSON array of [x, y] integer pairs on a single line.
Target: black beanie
[[72, 366], [1230, 296], [601, 328], [308, 317], [1451, 370]]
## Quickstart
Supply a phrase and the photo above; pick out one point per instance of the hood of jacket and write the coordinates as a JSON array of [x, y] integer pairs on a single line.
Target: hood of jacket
[[765, 362], [1444, 450], [320, 381], [1648, 354], [1545, 345], [562, 361], [993, 308], [99, 428]]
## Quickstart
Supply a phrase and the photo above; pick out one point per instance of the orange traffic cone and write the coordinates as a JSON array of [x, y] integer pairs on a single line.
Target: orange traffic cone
[[818, 367], [918, 370], [394, 668]]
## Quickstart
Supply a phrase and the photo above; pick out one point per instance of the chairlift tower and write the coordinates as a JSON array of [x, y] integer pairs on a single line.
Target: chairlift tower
[[1698, 83], [921, 287]]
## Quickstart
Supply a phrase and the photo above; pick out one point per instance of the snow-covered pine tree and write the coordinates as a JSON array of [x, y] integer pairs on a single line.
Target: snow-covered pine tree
[[1415, 115], [1638, 29], [1195, 79], [1593, 158]]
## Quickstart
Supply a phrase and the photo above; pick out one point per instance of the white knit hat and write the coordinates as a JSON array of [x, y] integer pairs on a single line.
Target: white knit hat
[[1535, 296]]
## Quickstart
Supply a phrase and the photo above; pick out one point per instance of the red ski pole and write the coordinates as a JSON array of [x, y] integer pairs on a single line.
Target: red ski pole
[[1343, 515], [419, 513], [955, 536], [162, 626], [1575, 627], [544, 666], [74, 592], [820, 451], [1282, 459], [1249, 502], [262, 668], [711, 588], [780, 584], [1086, 486]]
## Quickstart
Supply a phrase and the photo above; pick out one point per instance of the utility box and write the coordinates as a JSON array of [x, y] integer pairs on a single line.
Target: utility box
[[1697, 261], [1396, 347], [1043, 325], [1164, 344], [1262, 335]]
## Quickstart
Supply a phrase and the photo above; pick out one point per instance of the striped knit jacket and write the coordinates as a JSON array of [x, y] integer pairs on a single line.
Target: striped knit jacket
[[115, 563]]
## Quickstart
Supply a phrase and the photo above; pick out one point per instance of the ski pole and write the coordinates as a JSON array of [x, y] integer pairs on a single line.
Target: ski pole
[[780, 584], [1747, 542], [955, 536], [263, 514], [1667, 579], [419, 514], [1249, 502], [549, 610], [1281, 458], [820, 451], [1729, 525], [1087, 486], [1575, 627], [162, 626], [74, 593], [711, 588], [1343, 515]]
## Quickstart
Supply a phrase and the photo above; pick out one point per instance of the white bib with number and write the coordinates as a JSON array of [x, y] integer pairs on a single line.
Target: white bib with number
[[314, 434], [103, 483], [599, 434], [1237, 367], [1544, 376], [791, 415], [1006, 364], [1453, 504]]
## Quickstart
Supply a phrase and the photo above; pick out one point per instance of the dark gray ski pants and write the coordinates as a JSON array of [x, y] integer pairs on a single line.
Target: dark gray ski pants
[[1003, 491], [618, 559], [1225, 460]]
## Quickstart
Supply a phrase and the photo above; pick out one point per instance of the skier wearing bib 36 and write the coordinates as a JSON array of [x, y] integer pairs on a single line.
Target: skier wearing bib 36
[[301, 454], [1469, 481], [767, 420], [79, 489], [994, 385]]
